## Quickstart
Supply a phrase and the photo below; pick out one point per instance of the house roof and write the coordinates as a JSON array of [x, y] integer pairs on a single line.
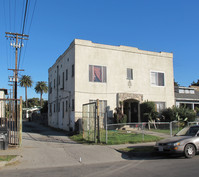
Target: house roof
[[185, 96], [5, 90]]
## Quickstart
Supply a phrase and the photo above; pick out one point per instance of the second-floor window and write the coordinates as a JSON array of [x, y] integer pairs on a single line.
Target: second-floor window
[[129, 74], [73, 70], [157, 78], [97, 73], [66, 74]]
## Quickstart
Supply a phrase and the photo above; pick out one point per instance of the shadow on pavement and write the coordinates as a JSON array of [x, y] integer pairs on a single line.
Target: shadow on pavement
[[48, 134], [149, 155]]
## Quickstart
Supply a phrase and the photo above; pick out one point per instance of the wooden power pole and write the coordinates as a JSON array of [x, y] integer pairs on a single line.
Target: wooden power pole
[[16, 45]]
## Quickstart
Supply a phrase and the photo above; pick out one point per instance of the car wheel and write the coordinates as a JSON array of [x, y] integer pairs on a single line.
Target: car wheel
[[189, 151]]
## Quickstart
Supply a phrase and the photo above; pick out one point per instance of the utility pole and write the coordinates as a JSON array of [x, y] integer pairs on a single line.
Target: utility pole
[[16, 45]]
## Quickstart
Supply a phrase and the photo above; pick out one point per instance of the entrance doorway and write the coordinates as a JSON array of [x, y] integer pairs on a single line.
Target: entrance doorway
[[132, 110]]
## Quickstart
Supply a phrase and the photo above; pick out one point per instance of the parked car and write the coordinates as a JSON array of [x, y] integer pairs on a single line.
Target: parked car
[[184, 142]]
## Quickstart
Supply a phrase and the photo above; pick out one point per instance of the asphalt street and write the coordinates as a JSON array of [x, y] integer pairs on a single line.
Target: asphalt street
[[170, 167], [49, 153]]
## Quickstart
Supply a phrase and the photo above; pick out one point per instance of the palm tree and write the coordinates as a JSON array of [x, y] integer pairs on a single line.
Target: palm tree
[[41, 88], [26, 81]]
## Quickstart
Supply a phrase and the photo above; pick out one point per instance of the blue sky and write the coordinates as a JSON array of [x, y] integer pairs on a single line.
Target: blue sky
[[154, 25]]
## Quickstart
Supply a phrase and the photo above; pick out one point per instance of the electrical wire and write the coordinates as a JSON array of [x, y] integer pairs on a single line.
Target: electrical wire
[[30, 24], [24, 23], [14, 14], [32, 16], [10, 16]]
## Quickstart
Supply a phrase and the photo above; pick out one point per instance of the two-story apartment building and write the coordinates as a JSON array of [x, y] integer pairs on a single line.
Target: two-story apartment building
[[116, 75]]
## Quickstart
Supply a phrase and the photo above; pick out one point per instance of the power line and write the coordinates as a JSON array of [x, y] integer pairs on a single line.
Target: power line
[[14, 14], [32, 15], [29, 30], [24, 23], [5, 14], [10, 16]]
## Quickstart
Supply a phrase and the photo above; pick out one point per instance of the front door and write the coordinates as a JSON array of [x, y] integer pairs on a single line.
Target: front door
[[134, 111]]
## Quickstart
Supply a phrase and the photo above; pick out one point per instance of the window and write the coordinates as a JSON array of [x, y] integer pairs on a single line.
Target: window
[[73, 104], [73, 71], [50, 111], [50, 87], [59, 79], [102, 106], [97, 73], [63, 80], [54, 107], [66, 74], [58, 107], [129, 74], [159, 106], [157, 78], [63, 109], [66, 106]]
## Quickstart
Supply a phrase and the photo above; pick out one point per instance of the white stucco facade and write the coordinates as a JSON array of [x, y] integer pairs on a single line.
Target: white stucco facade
[[151, 79], [3, 93]]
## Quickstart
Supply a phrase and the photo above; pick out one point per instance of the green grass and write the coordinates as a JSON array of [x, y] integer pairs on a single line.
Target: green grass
[[132, 138], [119, 137], [165, 131], [7, 157]]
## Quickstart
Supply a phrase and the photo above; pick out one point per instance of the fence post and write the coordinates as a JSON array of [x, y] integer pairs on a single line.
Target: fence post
[[98, 123], [20, 122], [171, 133], [106, 127], [142, 132]]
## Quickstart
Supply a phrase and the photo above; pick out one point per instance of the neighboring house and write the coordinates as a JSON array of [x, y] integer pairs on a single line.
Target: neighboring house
[[27, 112], [116, 75], [187, 96], [3, 93]]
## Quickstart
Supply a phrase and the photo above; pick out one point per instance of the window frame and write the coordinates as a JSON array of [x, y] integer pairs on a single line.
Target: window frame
[[157, 83], [103, 73], [158, 105], [129, 76]]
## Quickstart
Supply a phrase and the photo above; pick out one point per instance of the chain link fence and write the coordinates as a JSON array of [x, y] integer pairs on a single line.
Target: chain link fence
[[98, 128]]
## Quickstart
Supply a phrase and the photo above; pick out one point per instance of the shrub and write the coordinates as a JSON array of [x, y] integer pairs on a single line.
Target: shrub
[[178, 114], [148, 111], [119, 116]]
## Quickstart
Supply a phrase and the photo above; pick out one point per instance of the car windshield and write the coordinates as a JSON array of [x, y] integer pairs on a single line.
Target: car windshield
[[188, 131]]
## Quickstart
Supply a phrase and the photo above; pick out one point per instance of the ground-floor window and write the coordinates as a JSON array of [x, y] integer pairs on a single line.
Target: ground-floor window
[[102, 106], [160, 106]]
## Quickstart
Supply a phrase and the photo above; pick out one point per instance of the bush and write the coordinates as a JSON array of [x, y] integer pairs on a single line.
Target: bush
[[178, 114], [119, 116], [148, 111]]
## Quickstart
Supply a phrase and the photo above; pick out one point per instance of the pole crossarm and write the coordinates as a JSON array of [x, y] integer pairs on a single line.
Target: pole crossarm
[[17, 34]]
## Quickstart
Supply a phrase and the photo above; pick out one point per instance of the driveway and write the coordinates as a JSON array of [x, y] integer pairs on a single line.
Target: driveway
[[44, 147]]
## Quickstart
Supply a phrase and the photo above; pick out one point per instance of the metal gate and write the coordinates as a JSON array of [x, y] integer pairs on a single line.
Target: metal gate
[[89, 117], [11, 119]]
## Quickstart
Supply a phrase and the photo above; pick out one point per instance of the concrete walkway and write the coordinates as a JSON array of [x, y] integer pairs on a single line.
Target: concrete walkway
[[44, 147]]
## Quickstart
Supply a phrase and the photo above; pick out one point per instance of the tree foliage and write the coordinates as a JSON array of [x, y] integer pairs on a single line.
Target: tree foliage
[[176, 84], [32, 102], [41, 88], [195, 83], [178, 114], [44, 109], [148, 111], [26, 81]]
